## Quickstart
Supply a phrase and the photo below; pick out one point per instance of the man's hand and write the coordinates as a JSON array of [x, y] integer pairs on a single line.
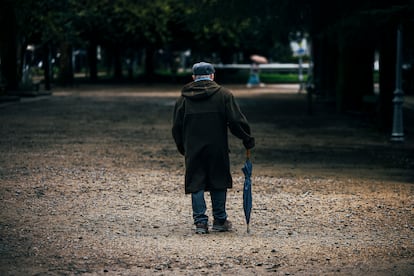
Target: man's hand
[[249, 143]]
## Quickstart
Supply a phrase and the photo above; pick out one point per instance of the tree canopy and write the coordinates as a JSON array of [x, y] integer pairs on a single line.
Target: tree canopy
[[203, 26]]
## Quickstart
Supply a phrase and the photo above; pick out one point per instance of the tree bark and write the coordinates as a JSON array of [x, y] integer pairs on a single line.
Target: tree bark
[[117, 58], [65, 64], [93, 61], [355, 73], [46, 66], [8, 46], [149, 63], [325, 67], [387, 60]]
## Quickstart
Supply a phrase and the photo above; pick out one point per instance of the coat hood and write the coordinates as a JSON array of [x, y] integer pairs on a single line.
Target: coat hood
[[199, 90]]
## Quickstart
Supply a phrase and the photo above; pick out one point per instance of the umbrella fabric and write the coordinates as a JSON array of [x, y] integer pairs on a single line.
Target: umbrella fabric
[[258, 59], [247, 191]]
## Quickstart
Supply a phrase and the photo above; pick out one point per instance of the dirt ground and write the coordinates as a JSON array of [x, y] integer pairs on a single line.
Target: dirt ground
[[91, 184]]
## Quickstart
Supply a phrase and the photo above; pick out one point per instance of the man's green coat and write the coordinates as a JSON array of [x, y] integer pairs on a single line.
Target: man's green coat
[[202, 116]]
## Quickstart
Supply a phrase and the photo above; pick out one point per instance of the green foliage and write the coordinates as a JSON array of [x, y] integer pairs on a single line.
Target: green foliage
[[241, 26], [206, 26], [42, 21]]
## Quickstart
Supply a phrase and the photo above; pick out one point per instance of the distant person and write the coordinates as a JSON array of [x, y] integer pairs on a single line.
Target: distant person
[[202, 116], [254, 78]]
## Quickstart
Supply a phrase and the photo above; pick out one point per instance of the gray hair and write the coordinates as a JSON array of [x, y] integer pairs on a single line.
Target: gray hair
[[201, 76]]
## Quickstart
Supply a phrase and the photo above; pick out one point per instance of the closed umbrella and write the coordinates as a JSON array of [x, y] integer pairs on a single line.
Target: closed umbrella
[[247, 189]]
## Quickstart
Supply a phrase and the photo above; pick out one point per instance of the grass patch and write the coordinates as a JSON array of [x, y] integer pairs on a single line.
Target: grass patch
[[280, 77]]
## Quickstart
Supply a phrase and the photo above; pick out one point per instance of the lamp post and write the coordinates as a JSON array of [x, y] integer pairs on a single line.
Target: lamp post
[[397, 121]]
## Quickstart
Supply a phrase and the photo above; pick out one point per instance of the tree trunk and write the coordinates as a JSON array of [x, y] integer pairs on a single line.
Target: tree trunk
[[387, 60], [149, 63], [93, 61], [117, 58], [65, 64], [330, 69], [46, 66], [8, 46], [355, 73], [325, 65]]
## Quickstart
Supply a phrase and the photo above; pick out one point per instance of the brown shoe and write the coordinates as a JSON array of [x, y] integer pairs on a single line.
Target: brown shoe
[[201, 228], [222, 227]]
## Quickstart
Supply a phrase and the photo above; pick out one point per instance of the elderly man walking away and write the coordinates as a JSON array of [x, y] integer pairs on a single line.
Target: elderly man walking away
[[202, 116]]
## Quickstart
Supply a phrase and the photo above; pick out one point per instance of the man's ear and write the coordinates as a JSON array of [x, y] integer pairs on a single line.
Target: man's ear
[[212, 76], [193, 77]]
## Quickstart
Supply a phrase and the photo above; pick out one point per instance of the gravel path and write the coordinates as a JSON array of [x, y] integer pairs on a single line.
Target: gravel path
[[91, 184]]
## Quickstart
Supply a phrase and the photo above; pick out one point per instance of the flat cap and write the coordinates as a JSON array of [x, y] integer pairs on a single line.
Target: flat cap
[[203, 68]]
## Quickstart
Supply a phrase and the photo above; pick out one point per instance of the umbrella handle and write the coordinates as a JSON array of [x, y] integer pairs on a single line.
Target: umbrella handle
[[248, 154]]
